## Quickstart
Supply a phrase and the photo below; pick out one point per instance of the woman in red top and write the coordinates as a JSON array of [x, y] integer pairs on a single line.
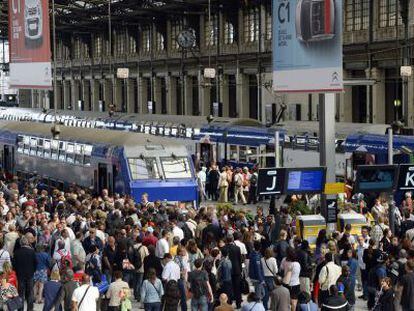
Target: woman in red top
[[9, 274]]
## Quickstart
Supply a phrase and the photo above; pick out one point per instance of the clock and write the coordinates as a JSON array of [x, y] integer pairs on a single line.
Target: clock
[[186, 38]]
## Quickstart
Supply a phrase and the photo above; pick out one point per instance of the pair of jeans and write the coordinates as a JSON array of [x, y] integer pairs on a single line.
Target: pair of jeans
[[139, 276], [259, 289], [25, 290], [364, 281], [269, 287], [128, 276], [152, 306], [199, 304], [183, 297]]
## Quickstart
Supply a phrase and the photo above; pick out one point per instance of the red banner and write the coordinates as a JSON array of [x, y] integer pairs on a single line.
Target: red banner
[[29, 37]]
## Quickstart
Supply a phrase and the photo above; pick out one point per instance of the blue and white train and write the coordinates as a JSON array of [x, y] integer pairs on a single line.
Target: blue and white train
[[124, 163]]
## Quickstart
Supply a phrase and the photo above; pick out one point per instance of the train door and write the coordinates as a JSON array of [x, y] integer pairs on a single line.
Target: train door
[[8, 158], [206, 153], [102, 177]]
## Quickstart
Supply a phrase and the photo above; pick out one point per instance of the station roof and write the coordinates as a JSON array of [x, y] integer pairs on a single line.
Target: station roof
[[92, 15]]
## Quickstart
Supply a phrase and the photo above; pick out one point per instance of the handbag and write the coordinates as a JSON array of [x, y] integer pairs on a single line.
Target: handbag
[[15, 303]]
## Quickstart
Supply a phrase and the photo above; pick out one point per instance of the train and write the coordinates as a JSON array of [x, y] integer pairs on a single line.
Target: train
[[97, 159], [241, 142]]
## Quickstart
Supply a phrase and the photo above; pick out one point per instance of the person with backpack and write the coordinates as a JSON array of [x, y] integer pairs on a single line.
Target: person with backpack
[[224, 271], [152, 292], [238, 186], [199, 287], [172, 296], [140, 252], [62, 257], [93, 266], [181, 260]]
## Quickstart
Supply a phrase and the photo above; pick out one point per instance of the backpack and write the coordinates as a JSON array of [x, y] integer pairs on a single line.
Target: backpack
[[197, 286], [172, 293], [253, 179], [65, 261], [137, 259], [188, 234], [239, 181]]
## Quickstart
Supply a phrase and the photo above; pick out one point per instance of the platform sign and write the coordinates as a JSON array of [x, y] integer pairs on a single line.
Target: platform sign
[[334, 188], [271, 181], [305, 180], [376, 178], [29, 37], [406, 177], [307, 46]]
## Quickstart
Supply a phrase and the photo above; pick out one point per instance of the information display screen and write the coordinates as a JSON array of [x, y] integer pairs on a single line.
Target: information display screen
[[305, 180], [376, 178]]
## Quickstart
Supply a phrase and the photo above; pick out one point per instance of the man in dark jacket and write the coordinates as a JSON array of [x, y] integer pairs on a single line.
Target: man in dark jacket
[[335, 302], [407, 283], [305, 261], [236, 264], [24, 262]]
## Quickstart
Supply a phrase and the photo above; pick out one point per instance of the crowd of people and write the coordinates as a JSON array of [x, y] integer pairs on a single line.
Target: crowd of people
[[74, 250]]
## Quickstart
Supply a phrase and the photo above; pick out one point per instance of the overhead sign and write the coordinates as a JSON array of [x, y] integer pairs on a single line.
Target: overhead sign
[[122, 73], [406, 177], [307, 46], [29, 37], [305, 180], [271, 181], [334, 188], [380, 178]]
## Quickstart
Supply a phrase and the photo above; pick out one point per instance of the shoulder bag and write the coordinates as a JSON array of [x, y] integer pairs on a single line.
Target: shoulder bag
[[80, 303]]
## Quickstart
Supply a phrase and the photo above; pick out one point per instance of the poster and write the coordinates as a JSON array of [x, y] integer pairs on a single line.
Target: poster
[[29, 37], [307, 46]]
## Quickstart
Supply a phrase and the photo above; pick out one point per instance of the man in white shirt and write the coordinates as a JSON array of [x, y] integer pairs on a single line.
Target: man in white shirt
[[178, 232], [362, 266], [162, 247], [243, 250], [84, 298], [171, 270]]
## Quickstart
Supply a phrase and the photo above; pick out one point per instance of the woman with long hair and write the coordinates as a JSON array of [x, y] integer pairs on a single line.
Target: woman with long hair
[[291, 270], [152, 292], [193, 253], [321, 241]]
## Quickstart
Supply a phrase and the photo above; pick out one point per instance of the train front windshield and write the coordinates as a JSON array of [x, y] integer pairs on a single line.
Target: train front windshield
[[176, 167]]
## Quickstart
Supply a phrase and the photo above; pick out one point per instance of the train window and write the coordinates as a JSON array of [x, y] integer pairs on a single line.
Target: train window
[[40, 148], [233, 152], [46, 148], [26, 149], [79, 148], [145, 168], [167, 131], [70, 156], [62, 155], [188, 132], [196, 131], [87, 150], [242, 154], [20, 144], [174, 131], [87, 160], [26, 140], [153, 129], [78, 158], [161, 130], [176, 167], [147, 129]]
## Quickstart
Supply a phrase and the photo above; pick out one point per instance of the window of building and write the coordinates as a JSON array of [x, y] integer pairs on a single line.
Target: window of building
[[388, 13], [120, 37], [211, 30], [146, 39], [132, 43], [176, 28], [268, 35], [229, 33], [77, 49], [97, 46], [251, 24], [356, 15], [159, 41]]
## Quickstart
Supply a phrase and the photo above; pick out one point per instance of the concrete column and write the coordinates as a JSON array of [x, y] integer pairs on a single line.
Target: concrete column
[[378, 95], [203, 95], [75, 94], [142, 95], [171, 85], [130, 96], [57, 95], [86, 90], [188, 95], [94, 87], [118, 94], [107, 86], [345, 101], [242, 94], [66, 94], [157, 95], [410, 101], [224, 94]]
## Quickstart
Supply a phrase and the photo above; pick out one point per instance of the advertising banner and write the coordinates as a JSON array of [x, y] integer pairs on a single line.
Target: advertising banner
[[29, 37], [307, 46]]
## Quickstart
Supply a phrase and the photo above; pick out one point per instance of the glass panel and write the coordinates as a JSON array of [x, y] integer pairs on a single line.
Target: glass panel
[[145, 168], [88, 150], [78, 159], [176, 167], [87, 160]]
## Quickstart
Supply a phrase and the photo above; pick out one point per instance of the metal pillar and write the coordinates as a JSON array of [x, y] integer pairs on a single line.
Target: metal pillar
[[327, 140]]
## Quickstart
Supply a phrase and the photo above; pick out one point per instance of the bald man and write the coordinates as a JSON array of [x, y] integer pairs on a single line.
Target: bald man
[[224, 306]]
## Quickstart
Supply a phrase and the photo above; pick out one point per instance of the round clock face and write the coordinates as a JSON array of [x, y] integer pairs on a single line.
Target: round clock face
[[186, 38]]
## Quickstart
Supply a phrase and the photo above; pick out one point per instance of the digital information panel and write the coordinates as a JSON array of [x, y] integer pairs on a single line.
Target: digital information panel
[[305, 180], [381, 178]]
